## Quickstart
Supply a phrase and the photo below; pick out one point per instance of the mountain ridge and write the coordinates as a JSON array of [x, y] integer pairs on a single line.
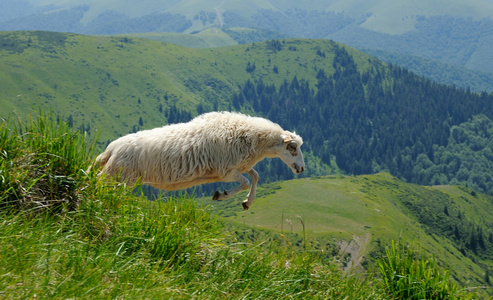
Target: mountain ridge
[[453, 32]]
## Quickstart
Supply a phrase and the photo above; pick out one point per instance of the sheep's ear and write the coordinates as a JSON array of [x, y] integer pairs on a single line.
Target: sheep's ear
[[286, 138]]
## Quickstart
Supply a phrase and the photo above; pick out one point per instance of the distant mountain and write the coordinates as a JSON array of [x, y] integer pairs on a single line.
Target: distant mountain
[[455, 75], [451, 31]]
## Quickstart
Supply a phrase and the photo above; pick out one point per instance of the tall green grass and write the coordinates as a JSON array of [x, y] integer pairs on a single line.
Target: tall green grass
[[405, 275], [67, 233], [42, 164]]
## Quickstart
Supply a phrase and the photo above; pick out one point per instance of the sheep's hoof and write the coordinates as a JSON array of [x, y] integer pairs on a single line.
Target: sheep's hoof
[[216, 196], [245, 205]]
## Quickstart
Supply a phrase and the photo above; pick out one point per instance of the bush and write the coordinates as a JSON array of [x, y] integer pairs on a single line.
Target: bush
[[42, 164]]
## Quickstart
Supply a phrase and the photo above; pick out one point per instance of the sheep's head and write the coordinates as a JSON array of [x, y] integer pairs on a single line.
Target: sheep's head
[[290, 152]]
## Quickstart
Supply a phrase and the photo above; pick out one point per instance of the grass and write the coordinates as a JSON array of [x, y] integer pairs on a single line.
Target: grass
[[405, 275], [41, 165]]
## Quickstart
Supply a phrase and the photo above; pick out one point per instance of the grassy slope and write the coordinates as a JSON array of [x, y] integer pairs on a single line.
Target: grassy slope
[[91, 78], [396, 18], [366, 209], [212, 37], [208, 38], [99, 80]]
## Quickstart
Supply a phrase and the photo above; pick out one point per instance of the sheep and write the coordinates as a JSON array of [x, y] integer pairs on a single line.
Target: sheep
[[216, 146]]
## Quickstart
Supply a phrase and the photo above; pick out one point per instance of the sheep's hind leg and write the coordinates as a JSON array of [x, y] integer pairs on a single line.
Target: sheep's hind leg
[[253, 190], [244, 184]]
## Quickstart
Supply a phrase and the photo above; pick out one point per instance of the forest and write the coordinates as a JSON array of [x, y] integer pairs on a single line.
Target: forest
[[385, 119]]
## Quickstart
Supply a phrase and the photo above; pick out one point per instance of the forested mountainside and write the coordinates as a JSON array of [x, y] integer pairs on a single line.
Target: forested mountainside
[[448, 74], [355, 113], [385, 118]]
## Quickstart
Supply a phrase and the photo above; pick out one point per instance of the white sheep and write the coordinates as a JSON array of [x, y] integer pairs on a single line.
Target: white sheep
[[216, 146]]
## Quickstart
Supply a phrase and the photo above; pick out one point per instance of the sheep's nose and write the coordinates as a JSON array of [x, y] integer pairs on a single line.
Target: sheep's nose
[[299, 169]]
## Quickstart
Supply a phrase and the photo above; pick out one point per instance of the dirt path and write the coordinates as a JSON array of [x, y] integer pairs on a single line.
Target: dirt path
[[356, 247]]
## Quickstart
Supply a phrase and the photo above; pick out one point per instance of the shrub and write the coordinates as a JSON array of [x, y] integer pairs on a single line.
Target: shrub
[[42, 163]]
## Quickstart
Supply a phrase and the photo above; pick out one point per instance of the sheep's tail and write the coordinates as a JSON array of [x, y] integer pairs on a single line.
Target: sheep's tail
[[100, 161], [102, 158]]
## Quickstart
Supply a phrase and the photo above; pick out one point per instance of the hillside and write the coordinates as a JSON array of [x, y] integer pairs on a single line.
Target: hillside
[[117, 85], [213, 37], [67, 233], [111, 82], [437, 71], [370, 210], [440, 72]]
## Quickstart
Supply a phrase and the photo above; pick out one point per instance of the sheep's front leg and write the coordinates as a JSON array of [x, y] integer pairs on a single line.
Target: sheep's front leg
[[244, 184], [253, 190]]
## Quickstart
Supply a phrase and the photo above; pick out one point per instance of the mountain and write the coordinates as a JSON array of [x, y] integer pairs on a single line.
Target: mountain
[[356, 114], [451, 223], [454, 75], [110, 82], [455, 32], [437, 71]]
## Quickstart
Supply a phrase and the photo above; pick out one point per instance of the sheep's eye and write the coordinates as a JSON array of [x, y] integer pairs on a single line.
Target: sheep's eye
[[291, 147]]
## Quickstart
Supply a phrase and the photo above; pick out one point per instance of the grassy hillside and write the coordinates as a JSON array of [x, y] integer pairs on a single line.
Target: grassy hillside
[[367, 212], [212, 37], [109, 83], [98, 81], [208, 38], [68, 233]]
